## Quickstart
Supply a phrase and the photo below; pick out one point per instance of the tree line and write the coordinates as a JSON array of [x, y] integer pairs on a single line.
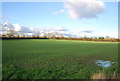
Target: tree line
[[11, 34]]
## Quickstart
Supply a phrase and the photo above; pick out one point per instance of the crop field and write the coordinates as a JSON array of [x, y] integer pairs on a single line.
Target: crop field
[[56, 59]]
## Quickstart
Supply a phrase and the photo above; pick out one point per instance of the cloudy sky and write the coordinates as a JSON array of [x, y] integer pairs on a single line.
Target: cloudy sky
[[93, 17]]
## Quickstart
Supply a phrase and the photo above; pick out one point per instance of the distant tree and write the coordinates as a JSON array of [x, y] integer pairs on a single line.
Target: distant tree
[[107, 37], [53, 35], [90, 38], [33, 36], [95, 38], [101, 38], [61, 36], [45, 35], [84, 38], [18, 33], [38, 34], [11, 33]]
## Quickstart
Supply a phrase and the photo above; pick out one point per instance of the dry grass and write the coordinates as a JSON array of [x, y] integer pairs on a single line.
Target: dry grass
[[99, 76], [102, 75]]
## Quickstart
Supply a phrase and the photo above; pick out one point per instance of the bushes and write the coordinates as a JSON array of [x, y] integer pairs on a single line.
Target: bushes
[[66, 38], [90, 39]]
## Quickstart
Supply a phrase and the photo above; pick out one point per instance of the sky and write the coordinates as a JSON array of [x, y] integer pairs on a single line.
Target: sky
[[99, 18]]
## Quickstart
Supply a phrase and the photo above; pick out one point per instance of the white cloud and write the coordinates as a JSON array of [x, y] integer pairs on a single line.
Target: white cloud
[[8, 26], [48, 29], [104, 34], [87, 31], [60, 11], [58, 29], [84, 8], [29, 31], [17, 27], [25, 29]]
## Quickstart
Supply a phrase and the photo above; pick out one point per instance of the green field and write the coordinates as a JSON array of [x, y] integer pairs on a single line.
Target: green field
[[56, 59]]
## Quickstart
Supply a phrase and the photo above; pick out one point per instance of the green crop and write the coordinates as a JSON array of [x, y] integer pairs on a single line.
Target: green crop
[[55, 59]]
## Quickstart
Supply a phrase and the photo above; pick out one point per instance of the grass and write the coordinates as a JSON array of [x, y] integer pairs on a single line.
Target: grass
[[56, 59]]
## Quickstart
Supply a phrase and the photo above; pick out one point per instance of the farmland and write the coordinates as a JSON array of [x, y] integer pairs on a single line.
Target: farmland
[[56, 59]]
